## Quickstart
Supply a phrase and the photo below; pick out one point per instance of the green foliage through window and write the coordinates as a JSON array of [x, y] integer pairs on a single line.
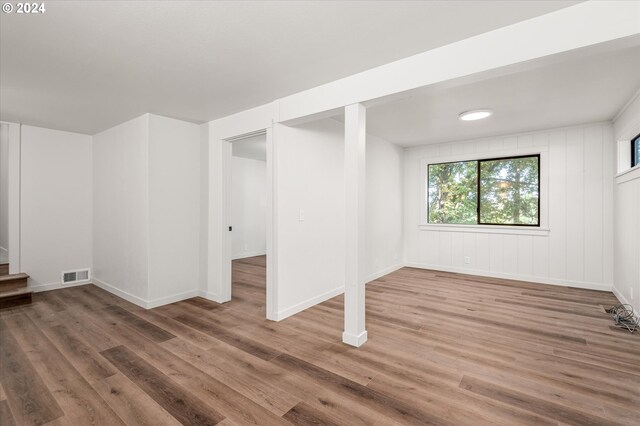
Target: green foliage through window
[[453, 192], [503, 191]]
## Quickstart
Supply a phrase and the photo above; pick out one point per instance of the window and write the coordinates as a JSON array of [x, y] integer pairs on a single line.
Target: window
[[635, 151], [453, 192], [497, 191]]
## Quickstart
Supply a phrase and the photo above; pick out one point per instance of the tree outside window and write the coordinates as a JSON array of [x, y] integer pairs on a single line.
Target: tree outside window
[[502, 191]]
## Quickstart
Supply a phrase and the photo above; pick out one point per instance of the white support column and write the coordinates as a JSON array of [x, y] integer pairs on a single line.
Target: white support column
[[355, 180]]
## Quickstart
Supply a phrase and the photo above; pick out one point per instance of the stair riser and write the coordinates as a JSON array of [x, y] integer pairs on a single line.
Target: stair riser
[[18, 300], [4, 269], [12, 285]]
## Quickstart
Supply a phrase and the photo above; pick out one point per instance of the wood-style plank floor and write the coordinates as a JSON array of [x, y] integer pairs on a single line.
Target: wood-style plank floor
[[443, 349]]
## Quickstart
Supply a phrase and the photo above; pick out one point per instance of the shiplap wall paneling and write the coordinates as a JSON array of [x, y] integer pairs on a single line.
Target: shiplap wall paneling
[[593, 204], [557, 204], [608, 202], [575, 204], [578, 170], [483, 258]]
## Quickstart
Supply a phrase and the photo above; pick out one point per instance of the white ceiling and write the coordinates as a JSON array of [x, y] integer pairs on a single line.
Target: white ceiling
[[578, 90], [85, 66], [254, 147]]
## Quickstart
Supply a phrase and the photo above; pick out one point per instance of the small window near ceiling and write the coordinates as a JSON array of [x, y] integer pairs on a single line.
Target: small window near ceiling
[[635, 151], [498, 191]]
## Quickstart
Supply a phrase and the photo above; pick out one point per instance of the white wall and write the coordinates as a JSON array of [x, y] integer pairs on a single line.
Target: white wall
[[625, 127], [203, 268], [310, 177], [627, 211], [384, 199], [121, 208], [578, 249], [147, 210], [248, 207], [56, 204], [174, 209], [4, 187]]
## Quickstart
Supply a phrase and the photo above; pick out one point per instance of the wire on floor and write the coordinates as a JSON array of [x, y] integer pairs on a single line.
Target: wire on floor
[[624, 317]]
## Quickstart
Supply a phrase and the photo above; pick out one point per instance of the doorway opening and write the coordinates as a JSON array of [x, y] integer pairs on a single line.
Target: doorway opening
[[248, 222]]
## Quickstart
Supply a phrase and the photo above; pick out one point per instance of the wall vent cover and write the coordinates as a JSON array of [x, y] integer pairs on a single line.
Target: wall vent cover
[[80, 275]]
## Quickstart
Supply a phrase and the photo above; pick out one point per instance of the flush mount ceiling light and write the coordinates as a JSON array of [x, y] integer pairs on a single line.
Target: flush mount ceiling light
[[476, 114]]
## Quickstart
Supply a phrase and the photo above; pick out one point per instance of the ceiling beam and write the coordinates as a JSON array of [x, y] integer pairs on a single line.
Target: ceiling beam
[[581, 26]]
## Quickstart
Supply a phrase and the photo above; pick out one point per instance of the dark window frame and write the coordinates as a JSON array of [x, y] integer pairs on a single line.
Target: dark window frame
[[478, 172], [635, 141]]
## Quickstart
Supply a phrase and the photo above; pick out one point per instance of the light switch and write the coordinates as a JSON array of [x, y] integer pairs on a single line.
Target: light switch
[[301, 217]]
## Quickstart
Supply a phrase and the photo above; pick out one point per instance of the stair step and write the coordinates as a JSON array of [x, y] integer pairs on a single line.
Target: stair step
[[4, 269], [9, 299], [13, 282]]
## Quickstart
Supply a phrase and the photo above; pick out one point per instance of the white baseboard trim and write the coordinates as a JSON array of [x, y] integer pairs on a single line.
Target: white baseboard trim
[[208, 295], [147, 304], [516, 277], [354, 340], [122, 294], [55, 286], [171, 299], [623, 300], [385, 271], [620, 296], [285, 313], [248, 254]]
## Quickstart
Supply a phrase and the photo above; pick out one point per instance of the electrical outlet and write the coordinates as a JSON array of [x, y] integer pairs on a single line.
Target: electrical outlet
[[246, 247], [467, 260]]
